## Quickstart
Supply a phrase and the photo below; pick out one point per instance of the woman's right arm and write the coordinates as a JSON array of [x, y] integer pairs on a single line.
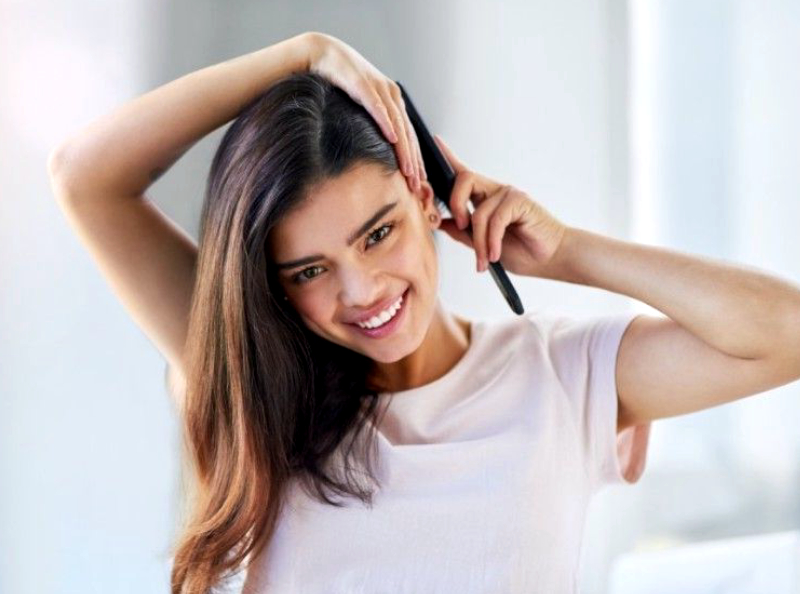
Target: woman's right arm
[[100, 175]]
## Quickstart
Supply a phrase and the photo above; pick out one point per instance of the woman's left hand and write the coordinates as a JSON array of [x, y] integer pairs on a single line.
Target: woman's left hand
[[507, 226]]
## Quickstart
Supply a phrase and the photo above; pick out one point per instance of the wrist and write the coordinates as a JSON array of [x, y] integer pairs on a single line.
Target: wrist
[[312, 47], [560, 266], [280, 59]]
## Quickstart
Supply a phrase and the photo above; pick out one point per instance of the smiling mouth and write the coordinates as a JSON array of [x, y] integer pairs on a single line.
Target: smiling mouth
[[388, 326]]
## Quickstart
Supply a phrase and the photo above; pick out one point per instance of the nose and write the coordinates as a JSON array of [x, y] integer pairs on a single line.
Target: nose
[[359, 287]]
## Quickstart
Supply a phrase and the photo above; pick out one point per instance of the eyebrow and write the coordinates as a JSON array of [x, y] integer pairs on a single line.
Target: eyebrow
[[350, 240]]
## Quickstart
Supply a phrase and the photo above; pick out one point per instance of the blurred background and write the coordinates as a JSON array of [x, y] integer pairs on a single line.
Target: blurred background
[[668, 122]]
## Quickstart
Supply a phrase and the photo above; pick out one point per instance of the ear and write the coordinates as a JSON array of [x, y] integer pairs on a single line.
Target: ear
[[427, 200]]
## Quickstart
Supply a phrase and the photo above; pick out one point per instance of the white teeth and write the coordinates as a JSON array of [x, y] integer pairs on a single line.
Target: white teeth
[[384, 316]]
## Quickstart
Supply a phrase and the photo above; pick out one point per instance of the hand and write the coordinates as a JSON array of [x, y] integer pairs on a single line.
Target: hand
[[380, 96], [507, 226]]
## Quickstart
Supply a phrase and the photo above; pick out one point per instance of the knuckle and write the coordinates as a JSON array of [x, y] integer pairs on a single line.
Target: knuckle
[[402, 135], [457, 194], [495, 233], [364, 87], [396, 117]]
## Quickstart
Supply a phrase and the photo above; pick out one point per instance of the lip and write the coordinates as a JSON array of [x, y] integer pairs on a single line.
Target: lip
[[377, 309], [389, 326]]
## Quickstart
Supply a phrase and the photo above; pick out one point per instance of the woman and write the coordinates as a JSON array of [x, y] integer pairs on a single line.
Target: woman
[[304, 337]]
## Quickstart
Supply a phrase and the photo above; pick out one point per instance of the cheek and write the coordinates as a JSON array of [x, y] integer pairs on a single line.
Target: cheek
[[425, 259], [313, 305], [404, 258], [415, 254]]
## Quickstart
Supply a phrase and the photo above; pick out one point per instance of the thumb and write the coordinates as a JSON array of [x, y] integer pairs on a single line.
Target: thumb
[[462, 236]]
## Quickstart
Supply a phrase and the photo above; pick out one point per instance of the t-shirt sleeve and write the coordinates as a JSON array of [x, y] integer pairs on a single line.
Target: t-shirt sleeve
[[583, 353]]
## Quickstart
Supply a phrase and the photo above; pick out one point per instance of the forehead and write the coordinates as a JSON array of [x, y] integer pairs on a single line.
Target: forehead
[[335, 207]]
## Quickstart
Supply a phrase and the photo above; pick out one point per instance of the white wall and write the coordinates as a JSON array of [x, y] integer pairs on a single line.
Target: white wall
[[87, 436]]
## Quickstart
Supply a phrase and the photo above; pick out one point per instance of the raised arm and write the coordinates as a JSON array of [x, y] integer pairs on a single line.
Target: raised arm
[[729, 331], [100, 175]]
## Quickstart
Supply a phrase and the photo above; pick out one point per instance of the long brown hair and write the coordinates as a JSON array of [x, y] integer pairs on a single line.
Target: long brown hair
[[265, 398]]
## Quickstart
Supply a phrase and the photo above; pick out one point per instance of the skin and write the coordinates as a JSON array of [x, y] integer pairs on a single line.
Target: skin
[[380, 264]]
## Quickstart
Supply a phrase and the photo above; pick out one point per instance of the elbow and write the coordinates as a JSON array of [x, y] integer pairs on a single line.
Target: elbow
[[56, 161], [58, 171]]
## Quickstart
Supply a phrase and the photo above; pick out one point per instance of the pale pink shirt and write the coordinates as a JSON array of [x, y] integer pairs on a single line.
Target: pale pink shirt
[[487, 473]]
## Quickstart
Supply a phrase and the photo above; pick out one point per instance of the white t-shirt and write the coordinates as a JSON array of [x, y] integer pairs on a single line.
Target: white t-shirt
[[487, 473]]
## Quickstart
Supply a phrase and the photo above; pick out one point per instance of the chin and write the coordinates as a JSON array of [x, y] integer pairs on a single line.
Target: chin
[[389, 357]]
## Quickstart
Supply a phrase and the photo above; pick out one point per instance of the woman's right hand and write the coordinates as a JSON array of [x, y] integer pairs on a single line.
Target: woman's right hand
[[379, 94]]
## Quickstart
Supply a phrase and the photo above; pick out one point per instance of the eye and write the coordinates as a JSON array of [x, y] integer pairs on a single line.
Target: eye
[[301, 276], [387, 226]]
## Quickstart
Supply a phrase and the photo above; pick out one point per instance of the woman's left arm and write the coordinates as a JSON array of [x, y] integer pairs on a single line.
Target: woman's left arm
[[730, 331]]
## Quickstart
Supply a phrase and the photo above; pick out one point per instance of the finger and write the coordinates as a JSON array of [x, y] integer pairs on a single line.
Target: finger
[[454, 161], [402, 146], [411, 155], [502, 217], [376, 107], [449, 226], [421, 172], [412, 152], [480, 220], [420, 161], [464, 190], [396, 119]]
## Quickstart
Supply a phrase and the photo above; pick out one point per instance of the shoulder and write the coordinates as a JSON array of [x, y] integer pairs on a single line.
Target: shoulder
[[556, 335], [561, 327], [576, 343]]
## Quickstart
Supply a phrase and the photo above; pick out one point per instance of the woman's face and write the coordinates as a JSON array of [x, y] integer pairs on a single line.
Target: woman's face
[[365, 240]]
